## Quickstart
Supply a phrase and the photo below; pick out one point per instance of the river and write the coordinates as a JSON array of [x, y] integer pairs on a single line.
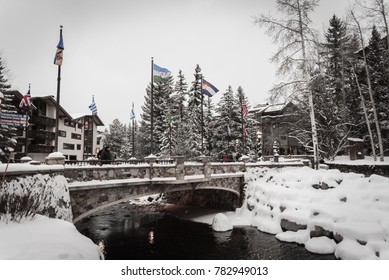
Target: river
[[165, 232]]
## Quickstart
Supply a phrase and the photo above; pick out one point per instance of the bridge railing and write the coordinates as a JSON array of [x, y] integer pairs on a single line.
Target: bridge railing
[[153, 168]]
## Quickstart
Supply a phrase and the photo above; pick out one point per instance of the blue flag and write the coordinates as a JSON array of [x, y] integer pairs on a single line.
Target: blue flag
[[93, 106], [59, 54], [132, 114], [160, 74]]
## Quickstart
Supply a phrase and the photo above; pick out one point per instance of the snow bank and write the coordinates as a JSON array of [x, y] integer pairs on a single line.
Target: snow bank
[[45, 239], [326, 210]]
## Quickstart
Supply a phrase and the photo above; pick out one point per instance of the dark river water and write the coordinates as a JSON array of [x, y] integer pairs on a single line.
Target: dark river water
[[133, 232]]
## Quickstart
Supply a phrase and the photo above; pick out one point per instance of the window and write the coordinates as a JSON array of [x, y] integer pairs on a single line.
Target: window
[[79, 125], [79, 147], [69, 123], [67, 146], [61, 133], [72, 157], [76, 136]]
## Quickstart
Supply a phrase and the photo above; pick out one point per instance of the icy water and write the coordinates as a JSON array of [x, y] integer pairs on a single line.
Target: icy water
[[135, 232]]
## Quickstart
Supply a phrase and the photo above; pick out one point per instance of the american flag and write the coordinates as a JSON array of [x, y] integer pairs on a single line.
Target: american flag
[[26, 100], [245, 111]]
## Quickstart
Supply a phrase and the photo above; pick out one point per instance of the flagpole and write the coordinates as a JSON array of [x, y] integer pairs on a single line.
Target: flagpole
[[133, 133], [152, 106], [27, 113], [241, 111], [58, 99], [202, 115]]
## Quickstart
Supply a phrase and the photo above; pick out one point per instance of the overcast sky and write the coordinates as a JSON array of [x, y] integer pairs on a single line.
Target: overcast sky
[[109, 45]]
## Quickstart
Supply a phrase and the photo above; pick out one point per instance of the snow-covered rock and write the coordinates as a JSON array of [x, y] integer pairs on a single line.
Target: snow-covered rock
[[221, 223]]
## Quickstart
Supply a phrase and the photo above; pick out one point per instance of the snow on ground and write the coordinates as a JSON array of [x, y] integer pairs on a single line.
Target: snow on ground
[[45, 239], [328, 211]]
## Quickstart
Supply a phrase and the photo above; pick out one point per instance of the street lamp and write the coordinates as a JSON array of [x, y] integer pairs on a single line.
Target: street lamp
[[259, 143]]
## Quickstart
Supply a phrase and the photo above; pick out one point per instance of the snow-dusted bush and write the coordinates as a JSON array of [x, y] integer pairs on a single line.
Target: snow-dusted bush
[[39, 194]]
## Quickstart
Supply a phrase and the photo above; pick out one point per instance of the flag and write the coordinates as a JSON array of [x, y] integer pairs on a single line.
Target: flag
[[245, 111], [59, 54], [160, 74], [209, 89], [170, 121], [26, 100], [93, 106], [132, 113]]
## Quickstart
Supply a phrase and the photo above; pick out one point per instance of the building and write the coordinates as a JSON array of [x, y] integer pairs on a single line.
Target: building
[[274, 128], [77, 136]]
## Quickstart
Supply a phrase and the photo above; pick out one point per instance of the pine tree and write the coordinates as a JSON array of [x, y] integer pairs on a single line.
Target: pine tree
[[333, 91], [378, 66], [209, 123], [180, 95], [7, 133], [144, 135], [118, 140], [227, 128], [194, 116], [163, 109]]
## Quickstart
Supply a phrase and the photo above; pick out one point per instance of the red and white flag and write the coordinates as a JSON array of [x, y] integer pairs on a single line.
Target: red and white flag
[[245, 111], [26, 100]]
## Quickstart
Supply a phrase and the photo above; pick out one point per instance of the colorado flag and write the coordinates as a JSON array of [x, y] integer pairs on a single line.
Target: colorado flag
[[209, 89]]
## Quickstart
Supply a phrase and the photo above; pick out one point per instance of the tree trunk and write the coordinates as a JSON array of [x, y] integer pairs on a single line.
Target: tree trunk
[[310, 97], [365, 113], [381, 147]]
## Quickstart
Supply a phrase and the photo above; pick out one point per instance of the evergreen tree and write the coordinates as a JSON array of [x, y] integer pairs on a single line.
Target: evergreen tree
[[118, 140], [378, 66], [194, 116], [227, 128], [247, 127], [144, 135], [179, 114], [7, 133], [209, 123], [163, 109], [333, 91], [180, 96]]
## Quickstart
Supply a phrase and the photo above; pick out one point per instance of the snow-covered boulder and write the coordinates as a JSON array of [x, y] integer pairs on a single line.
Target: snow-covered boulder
[[221, 223], [55, 158]]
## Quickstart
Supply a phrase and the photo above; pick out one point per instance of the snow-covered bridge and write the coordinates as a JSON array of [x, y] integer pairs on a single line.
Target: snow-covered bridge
[[92, 187]]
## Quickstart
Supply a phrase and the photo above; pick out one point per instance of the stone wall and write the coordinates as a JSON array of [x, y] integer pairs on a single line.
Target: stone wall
[[367, 170]]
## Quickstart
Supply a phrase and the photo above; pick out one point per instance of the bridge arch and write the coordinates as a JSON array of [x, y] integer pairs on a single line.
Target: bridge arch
[[87, 199]]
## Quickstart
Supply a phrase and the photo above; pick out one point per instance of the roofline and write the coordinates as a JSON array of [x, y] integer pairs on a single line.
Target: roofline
[[52, 100]]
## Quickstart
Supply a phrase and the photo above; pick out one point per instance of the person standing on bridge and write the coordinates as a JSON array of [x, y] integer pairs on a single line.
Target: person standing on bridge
[[105, 155]]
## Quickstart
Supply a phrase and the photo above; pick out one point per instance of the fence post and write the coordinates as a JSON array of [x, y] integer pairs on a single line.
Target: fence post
[[180, 167], [206, 164], [151, 159]]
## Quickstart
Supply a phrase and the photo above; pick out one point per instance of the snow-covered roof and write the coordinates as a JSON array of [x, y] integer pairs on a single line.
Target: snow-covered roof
[[275, 108]]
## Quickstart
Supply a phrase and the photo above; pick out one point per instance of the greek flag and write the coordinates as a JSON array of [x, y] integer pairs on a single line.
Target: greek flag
[[132, 114], [93, 107]]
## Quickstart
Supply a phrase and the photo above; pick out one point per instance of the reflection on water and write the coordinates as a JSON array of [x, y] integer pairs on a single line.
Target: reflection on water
[[128, 231], [151, 237]]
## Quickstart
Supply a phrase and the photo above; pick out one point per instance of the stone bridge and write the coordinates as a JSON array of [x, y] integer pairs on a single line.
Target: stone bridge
[[93, 187]]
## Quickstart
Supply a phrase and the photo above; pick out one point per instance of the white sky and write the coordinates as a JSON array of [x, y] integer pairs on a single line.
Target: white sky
[[109, 45]]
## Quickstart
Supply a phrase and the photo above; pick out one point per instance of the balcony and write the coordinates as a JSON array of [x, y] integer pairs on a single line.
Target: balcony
[[42, 135], [45, 149], [43, 120]]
